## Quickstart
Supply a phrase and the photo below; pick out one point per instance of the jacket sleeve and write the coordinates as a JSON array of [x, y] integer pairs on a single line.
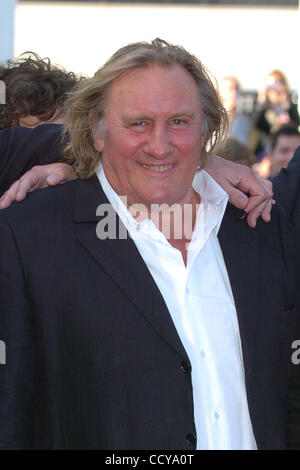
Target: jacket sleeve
[[22, 148], [18, 357], [286, 185]]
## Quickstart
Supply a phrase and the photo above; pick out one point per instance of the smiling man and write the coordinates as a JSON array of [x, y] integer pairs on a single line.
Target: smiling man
[[151, 147], [152, 144], [153, 340]]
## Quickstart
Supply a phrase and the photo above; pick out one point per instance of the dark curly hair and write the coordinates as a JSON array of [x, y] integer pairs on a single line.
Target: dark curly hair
[[33, 86]]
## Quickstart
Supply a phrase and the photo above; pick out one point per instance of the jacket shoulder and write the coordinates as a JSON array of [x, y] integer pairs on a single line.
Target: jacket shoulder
[[41, 209]]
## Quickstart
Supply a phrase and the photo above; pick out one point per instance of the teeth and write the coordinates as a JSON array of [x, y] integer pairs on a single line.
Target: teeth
[[158, 167]]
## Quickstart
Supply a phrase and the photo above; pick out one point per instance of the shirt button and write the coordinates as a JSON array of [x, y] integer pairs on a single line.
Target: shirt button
[[185, 367], [202, 353], [216, 415], [191, 439]]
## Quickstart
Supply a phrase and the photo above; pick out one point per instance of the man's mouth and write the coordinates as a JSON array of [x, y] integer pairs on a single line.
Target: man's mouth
[[157, 167]]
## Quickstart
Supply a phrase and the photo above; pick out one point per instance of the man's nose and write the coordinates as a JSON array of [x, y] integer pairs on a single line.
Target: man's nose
[[158, 143]]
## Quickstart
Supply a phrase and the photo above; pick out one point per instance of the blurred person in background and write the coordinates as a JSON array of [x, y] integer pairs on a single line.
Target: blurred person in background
[[32, 116], [283, 144], [240, 123], [235, 151], [275, 108]]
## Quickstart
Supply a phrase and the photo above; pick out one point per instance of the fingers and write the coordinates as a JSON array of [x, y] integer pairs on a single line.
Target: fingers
[[31, 180], [38, 177], [260, 205], [254, 214], [268, 185], [60, 173], [259, 200], [255, 187], [246, 190], [9, 196], [236, 197], [266, 212]]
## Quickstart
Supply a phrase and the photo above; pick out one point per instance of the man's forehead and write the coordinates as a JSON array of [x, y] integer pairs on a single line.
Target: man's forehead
[[288, 140], [154, 73], [154, 84]]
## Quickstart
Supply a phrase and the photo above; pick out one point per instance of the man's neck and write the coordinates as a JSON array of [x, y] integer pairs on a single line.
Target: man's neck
[[176, 222]]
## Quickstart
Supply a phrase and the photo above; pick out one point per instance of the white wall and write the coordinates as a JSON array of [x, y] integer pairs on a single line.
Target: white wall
[[246, 42]]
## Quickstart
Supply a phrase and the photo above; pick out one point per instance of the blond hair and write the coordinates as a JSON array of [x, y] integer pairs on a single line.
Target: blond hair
[[85, 109]]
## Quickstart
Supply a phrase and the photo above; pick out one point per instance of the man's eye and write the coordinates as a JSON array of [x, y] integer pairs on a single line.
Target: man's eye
[[177, 122], [139, 124]]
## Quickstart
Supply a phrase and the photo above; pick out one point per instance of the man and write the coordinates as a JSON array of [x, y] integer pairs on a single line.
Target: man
[[283, 145], [152, 340]]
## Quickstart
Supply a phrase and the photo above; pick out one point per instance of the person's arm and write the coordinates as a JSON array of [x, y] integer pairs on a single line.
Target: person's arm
[[287, 185], [38, 177], [245, 190], [22, 148], [17, 373]]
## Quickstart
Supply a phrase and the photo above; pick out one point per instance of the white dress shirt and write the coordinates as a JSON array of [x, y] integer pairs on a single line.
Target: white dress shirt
[[199, 298]]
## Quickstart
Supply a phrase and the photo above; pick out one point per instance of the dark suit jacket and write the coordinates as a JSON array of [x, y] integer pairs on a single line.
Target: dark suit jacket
[[93, 358], [21, 148], [287, 190], [286, 187], [287, 193]]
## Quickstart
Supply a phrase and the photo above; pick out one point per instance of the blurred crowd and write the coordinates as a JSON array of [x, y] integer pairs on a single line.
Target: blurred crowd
[[264, 125]]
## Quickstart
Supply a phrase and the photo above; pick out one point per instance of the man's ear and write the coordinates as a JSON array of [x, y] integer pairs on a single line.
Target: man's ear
[[98, 141], [98, 144]]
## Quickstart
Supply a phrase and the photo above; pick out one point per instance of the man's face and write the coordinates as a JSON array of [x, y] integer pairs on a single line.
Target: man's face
[[152, 145], [283, 152]]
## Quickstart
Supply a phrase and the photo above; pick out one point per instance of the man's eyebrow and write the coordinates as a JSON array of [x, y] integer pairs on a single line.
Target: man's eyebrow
[[144, 117], [135, 117], [188, 114]]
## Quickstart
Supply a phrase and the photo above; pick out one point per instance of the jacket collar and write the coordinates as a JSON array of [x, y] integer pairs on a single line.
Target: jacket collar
[[122, 262]]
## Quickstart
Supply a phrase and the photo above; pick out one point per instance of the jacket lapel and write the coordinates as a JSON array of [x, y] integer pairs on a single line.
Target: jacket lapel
[[239, 244], [122, 261]]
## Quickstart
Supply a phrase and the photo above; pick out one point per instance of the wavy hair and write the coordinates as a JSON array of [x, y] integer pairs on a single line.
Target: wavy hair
[[85, 108], [33, 86]]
